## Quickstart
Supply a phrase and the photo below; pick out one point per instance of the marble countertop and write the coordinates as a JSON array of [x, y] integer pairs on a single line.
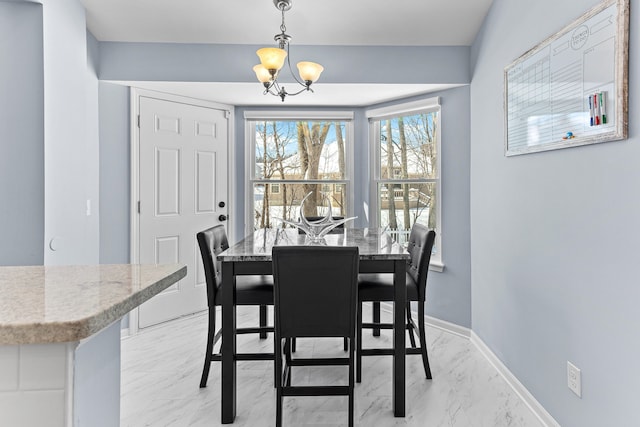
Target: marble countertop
[[373, 244], [47, 304]]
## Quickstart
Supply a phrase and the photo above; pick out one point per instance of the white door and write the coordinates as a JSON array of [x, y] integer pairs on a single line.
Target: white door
[[183, 190]]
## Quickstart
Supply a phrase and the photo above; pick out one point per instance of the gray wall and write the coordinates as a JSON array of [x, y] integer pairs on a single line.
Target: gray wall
[[50, 151], [21, 134], [70, 135], [554, 237], [91, 143], [233, 63], [115, 176], [115, 167]]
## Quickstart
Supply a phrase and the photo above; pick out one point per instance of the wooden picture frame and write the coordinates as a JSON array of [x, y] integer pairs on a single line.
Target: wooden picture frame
[[572, 88]]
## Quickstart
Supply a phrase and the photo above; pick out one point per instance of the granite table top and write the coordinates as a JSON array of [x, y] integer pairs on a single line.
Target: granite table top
[[48, 304], [373, 244]]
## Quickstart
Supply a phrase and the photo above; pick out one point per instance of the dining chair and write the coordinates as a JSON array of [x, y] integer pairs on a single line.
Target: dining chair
[[315, 289], [250, 290], [378, 287], [338, 230]]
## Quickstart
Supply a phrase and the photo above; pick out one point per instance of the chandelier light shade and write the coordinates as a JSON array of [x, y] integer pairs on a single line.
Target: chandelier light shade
[[272, 60], [309, 71], [263, 75]]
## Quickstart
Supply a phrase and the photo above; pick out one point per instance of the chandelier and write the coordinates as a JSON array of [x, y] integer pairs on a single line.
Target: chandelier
[[272, 60]]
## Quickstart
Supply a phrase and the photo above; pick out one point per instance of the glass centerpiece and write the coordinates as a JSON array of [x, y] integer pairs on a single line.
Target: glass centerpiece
[[317, 229]]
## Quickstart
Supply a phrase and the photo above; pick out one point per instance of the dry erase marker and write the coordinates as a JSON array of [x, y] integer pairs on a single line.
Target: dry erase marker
[[590, 110], [595, 109], [603, 97]]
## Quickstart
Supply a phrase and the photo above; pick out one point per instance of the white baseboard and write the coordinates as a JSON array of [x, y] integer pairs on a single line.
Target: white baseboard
[[452, 328], [524, 394], [433, 322], [538, 410]]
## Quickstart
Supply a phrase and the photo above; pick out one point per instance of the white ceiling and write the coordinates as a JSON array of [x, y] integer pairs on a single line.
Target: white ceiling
[[309, 22]]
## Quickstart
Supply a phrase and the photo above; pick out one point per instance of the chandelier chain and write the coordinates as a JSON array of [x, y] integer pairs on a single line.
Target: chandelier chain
[[283, 28]]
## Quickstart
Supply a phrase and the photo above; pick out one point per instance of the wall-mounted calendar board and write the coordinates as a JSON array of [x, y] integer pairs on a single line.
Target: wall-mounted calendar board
[[571, 89]]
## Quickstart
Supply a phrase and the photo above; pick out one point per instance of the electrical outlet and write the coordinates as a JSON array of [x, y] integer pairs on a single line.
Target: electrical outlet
[[573, 379]]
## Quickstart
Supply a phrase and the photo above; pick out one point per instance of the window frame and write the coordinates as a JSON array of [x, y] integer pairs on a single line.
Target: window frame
[[375, 117], [251, 117]]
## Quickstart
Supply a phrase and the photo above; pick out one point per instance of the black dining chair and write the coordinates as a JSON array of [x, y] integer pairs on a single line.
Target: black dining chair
[[250, 290], [315, 289], [378, 287], [338, 230]]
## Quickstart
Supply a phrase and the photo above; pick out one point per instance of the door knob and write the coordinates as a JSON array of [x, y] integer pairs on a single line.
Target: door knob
[[222, 218]]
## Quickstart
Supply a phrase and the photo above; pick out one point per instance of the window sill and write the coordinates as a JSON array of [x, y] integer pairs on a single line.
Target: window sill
[[436, 266]]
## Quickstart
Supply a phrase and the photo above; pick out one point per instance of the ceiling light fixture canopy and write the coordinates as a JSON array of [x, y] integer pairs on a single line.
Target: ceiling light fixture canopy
[[272, 60]]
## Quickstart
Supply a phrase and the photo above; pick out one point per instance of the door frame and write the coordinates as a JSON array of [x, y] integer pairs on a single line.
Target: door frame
[[134, 236]]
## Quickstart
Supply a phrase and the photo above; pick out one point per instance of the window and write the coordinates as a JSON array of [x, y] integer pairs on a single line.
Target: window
[[292, 157], [406, 185]]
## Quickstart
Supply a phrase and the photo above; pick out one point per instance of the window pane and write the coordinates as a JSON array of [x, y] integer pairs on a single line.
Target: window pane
[[408, 147], [299, 150], [402, 205], [268, 206]]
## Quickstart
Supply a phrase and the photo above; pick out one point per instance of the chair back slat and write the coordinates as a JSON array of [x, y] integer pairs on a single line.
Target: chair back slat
[[420, 246], [211, 242], [315, 290]]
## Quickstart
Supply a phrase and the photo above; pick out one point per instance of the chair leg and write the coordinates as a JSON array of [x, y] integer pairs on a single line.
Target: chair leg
[[351, 382], [279, 407], [276, 360], [287, 353], [277, 349], [351, 415], [423, 340], [359, 343], [263, 321], [376, 318], [211, 333], [410, 325]]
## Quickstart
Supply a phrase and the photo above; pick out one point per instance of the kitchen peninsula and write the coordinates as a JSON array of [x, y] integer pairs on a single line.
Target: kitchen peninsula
[[60, 339]]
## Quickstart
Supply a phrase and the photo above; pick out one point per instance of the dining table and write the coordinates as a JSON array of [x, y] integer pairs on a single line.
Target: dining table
[[379, 253]]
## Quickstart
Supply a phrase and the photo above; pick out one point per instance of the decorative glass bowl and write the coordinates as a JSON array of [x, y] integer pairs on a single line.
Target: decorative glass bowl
[[317, 229]]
